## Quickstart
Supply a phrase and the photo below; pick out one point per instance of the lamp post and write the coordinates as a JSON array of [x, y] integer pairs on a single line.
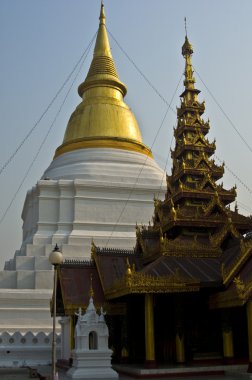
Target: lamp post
[[55, 258]]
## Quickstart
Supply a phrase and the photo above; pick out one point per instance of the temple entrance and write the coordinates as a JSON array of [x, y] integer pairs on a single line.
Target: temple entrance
[[135, 327], [203, 334], [165, 334], [126, 332], [187, 315], [240, 333]]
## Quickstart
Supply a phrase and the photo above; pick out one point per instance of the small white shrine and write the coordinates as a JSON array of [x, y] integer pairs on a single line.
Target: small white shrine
[[91, 356]]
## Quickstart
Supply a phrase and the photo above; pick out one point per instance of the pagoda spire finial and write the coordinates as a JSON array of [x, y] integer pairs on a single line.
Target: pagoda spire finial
[[102, 17], [102, 46], [102, 66], [187, 51], [185, 27]]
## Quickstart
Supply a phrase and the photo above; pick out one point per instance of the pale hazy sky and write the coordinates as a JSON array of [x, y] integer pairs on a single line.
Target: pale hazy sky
[[42, 40]]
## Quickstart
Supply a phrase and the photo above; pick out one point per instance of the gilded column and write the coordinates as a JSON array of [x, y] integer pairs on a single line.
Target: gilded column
[[149, 331], [228, 350], [180, 348], [249, 321], [179, 340], [124, 340], [227, 336]]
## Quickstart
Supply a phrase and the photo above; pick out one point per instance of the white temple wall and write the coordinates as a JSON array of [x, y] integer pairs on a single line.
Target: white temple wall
[[66, 211], [27, 216], [25, 279], [30, 215], [26, 349], [8, 279], [23, 262], [48, 211], [35, 250]]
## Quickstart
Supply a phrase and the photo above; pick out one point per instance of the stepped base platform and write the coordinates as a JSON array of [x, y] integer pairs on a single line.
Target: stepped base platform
[[44, 372], [236, 371], [194, 370]]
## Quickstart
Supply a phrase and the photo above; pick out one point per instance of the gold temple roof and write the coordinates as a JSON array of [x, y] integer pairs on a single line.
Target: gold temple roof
[[102, 119]]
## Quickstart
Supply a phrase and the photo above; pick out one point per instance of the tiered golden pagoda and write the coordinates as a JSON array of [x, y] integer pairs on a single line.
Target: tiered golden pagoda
[[179, 295], [195, 218]]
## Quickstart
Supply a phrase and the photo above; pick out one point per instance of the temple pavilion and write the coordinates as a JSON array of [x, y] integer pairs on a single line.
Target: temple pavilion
[[184, 293]]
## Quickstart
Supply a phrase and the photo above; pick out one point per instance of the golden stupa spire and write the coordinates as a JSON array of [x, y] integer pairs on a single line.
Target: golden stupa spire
[[102, 68], [102, 119], [102, 43], [102, 13]]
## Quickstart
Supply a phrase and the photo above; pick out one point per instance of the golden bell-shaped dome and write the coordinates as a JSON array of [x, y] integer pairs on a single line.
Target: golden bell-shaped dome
[[102, 119]]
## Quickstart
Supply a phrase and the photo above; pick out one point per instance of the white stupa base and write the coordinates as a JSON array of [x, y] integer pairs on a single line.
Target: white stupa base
[[92, 365], [87, 194], [25, 310]]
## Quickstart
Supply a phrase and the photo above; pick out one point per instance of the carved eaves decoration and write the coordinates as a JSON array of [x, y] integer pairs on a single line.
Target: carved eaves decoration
[[142, 283], [193, 216], [228, 273], [243, 289], [236, 296], [192, 248], [191, 123], [198, 168], [206, 187], [190, 106], [229, 228], [215, 201], [148, 241]]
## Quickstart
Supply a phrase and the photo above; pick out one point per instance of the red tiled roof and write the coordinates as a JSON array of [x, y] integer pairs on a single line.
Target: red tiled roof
[[75, 282]]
